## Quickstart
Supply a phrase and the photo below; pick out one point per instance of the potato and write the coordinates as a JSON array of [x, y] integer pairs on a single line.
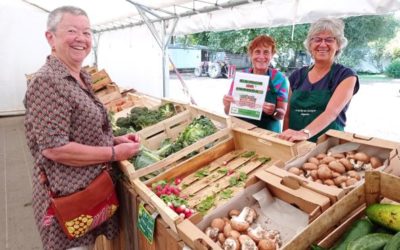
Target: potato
[[295, 171], [318, 181], [351, 181], [337, 167], [335, 174], [353, 174], [338, 180], [324, 173], [346, 163], [329, 182], [314, 174], [321, 156], [375, 162], [310, 166], [327, 159], [313, 160]]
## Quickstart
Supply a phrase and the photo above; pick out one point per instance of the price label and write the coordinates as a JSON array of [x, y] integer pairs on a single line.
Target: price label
[[146, 222]]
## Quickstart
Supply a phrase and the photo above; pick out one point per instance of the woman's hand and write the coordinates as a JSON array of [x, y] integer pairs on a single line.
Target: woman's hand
[[268, 108], [293, 135], [126, 150], [227, 100], [128, 138]]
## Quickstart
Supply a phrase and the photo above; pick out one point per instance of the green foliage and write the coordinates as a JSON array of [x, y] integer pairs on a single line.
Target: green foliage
[[396, 53], [367, 38], [393, 70], [141, 117], [199, 128]]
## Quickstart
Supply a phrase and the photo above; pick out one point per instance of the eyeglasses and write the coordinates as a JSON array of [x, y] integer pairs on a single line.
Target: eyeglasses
[[327, 40]]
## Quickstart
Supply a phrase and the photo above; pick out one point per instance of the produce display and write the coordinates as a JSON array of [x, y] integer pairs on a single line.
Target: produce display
[[240, 230], [210, 185], [141, 117], [380, 230], [341, 170], [199, 128]]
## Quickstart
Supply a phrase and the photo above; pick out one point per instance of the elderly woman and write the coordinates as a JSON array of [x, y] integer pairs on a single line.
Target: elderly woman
[[67, 128], [261, 50], [320, 94]]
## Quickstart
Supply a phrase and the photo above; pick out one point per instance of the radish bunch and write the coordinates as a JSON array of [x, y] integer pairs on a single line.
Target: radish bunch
[[170, 194]]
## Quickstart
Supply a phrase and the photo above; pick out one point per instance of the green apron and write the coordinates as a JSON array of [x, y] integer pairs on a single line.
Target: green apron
[[305, 106], [267, 121]]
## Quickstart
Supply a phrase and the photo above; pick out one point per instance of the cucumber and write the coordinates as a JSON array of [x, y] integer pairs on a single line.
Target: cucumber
[[358, 229], [387, 215], [394, 243], [374, 241]]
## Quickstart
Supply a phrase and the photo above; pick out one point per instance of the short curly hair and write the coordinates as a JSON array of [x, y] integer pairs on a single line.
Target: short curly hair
[[262, 40], [334, 26], [56, 15]]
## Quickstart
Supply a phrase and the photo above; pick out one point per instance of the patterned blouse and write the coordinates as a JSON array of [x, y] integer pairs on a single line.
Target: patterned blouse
[[59, 111]]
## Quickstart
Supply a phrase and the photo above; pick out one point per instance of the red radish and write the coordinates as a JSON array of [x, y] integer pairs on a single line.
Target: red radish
[[178, 181], [182, 215], [188, 214]]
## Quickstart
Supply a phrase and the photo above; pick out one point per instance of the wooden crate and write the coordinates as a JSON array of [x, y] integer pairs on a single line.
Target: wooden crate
[[90, 69], [100, 80], [142, 100], [336, 219], [372, 146], [152, 136], [109, 93], [302, 198], [238, 140]]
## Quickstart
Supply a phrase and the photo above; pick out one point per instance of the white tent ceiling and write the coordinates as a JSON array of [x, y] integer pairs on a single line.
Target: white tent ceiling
[[217, 15]]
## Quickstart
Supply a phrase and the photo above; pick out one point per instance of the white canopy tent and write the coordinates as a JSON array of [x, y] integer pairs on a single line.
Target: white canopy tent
[[125, 32]]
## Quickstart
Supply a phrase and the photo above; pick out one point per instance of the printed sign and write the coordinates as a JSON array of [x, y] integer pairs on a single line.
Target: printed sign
[[249, 91], [146, 222]]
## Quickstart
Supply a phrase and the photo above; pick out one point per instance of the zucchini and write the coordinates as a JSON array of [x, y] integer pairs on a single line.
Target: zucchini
[[394, 243], [387, 215], [374, 241], [358, 229]]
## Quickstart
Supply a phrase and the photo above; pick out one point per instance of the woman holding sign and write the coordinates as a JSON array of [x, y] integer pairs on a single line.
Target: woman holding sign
[[320, 94], [261, 50]]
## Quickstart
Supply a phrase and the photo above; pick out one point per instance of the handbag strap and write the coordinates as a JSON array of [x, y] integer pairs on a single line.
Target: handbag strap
[[45, 181]]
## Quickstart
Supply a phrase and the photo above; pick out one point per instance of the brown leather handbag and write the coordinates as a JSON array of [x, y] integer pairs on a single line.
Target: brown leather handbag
[[85, 210]]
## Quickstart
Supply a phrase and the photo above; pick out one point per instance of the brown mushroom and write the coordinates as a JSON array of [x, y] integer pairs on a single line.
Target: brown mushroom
[[351, 181], [256, 232], [353, 174], [314, 174], [360, 156], [251, 215], [247, 243], [239, 222], [329, 182], [218, 223], [227, 230], [338, 180], [212, 233], [234, 212], [266, 244], [231, 244], [221, 238]]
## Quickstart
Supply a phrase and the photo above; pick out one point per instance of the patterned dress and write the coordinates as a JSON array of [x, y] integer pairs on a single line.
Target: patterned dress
[[59, 111]]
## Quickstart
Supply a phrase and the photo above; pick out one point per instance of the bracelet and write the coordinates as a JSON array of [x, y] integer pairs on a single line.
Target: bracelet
[[112, 154]]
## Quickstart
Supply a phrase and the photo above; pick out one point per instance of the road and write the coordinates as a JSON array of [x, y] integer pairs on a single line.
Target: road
[[372, 111]]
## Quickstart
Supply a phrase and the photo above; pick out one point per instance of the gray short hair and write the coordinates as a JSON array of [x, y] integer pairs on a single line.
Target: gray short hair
[[56, 15], [335, 26]]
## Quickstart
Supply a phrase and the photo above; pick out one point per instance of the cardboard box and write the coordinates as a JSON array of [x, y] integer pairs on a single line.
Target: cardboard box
[[301, 204], [226, 150], [342, 141], [339, 217]]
